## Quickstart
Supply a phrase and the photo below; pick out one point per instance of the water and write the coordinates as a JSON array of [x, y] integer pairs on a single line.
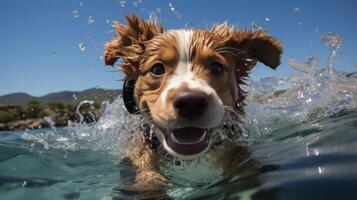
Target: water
[[302, 144]]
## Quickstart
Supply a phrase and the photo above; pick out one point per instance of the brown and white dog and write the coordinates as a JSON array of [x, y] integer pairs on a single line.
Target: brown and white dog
[[186, 83]]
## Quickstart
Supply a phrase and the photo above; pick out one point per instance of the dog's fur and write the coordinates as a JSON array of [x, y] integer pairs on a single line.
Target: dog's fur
[[187, 57]]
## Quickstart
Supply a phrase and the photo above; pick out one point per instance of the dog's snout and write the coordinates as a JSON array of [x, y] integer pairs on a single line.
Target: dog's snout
[[190, 104]]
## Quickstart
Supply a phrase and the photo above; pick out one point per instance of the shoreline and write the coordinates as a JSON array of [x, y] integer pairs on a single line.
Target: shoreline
[[35, 123]]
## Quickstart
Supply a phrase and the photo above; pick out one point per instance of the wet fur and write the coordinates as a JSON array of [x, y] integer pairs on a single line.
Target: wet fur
[[139, 42]]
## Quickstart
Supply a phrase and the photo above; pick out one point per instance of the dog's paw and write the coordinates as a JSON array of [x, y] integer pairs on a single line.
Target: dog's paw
[[150, 180], [150, 184]]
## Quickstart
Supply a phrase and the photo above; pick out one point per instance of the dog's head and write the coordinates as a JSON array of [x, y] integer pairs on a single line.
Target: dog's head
[[185, 79]]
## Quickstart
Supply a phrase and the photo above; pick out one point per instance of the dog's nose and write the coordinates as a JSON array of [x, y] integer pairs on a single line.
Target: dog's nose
[[190, 104]]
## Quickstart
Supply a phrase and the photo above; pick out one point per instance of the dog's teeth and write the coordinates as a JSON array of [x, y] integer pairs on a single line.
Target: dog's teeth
[[174, 138], [202, 138]]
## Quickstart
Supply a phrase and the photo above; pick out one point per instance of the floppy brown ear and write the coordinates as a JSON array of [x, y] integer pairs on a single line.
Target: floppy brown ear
[[260, 46], [129, 44]]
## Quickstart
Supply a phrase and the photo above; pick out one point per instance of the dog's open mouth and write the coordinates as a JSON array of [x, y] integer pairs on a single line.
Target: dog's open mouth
[[187, 141]]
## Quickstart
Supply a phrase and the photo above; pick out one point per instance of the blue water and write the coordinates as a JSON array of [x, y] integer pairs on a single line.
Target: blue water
[[295, 162]]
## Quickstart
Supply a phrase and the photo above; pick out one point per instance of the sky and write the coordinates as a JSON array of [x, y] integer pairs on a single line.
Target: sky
[[40, 39]]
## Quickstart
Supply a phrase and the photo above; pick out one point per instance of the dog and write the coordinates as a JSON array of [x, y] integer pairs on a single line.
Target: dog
[[185, 83]]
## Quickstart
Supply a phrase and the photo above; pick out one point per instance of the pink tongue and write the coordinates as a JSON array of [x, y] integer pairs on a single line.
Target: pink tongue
[[189, 134]]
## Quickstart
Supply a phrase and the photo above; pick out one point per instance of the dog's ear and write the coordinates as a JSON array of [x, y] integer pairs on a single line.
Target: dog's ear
[[255, 46], [259, 46], [129, 45]]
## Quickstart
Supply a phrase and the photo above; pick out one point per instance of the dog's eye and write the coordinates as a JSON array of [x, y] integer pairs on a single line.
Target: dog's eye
[[216, 68], [158, 70]]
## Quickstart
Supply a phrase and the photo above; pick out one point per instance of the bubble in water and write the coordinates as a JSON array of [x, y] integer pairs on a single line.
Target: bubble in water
[[300, 23], [90, 20], [81, 46], [316, 30], [107, 21], [267, 19], [54, 53], [331, 39], [296, 10], [75, 13]]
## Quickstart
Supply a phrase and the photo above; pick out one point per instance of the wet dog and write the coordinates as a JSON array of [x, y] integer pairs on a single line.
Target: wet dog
[[187, 85]]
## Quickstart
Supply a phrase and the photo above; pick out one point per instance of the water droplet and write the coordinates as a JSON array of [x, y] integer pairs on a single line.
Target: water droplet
[[331, 39], [122, 3], [75, 13], [267, 19], [296, 10], [81, 4], [176, 13], [255, 26], [82, 46], [90, 20], [24, 183]]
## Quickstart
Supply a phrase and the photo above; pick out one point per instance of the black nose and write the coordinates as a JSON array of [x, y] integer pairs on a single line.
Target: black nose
[[190, 104]]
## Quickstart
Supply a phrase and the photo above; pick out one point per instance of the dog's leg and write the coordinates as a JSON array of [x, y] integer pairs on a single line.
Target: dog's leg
[[148, 178]]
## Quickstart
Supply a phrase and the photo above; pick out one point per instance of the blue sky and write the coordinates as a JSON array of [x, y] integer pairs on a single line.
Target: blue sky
[[39, 39]]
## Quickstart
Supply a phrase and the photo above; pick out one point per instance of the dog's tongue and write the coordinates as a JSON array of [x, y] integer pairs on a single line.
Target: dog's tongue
[[189, 134], [187, 141]]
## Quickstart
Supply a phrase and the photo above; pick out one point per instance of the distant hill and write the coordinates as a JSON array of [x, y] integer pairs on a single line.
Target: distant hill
[[66, 97]]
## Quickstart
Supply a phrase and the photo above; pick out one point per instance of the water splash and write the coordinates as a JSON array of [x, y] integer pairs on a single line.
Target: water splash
[[49, 121], [91, 110], [332, 40], [311, 92]]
